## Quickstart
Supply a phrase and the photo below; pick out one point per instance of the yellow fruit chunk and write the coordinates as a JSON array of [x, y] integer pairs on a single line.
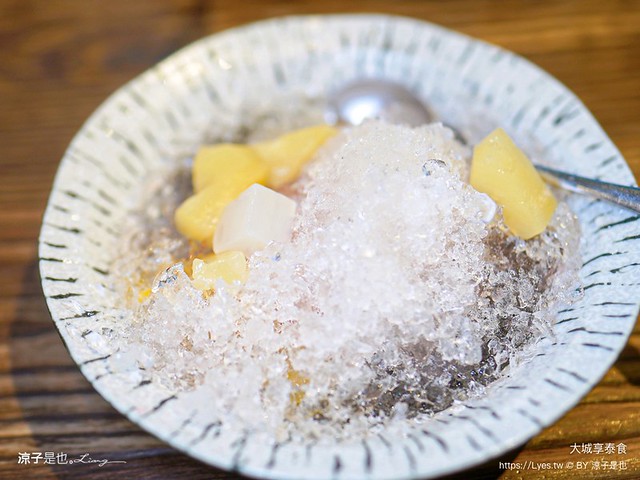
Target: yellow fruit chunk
[[228, 266], [143, 295], [225, 164], [198, 215], [502, 171], [298, 381], [287, 154]]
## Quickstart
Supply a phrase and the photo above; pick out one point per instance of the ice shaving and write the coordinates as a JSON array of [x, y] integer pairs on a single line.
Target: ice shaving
[[331, 282]]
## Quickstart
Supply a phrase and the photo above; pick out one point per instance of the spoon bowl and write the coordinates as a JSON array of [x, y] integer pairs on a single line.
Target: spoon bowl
[[376, 98]]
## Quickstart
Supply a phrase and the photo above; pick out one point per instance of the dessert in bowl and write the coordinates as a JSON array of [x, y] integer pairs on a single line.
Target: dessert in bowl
[[361, 385]]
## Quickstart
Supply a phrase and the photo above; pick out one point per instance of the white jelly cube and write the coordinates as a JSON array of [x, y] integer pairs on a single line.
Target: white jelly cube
[[258, 216]]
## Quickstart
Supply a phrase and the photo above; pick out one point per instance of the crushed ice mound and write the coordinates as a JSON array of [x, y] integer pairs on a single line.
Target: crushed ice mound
[[399, 294]]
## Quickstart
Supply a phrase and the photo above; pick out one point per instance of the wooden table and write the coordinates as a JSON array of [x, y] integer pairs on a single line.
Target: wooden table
[[60, 58]]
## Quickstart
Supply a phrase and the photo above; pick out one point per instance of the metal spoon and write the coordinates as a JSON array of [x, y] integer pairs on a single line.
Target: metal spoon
[[369, 98]]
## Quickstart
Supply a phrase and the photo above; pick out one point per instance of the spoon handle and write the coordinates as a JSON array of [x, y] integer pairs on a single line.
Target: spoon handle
[[628, 197]]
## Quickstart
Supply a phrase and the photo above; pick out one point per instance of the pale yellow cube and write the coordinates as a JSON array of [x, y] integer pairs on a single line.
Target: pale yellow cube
[[228, 266], [502, 171], [225, 164], [286, 155]]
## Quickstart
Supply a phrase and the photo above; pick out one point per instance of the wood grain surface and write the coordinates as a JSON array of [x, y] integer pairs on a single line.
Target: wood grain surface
[[59, 59]]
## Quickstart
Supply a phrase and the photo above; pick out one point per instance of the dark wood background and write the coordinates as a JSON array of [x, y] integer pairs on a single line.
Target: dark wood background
[[59, 59]]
